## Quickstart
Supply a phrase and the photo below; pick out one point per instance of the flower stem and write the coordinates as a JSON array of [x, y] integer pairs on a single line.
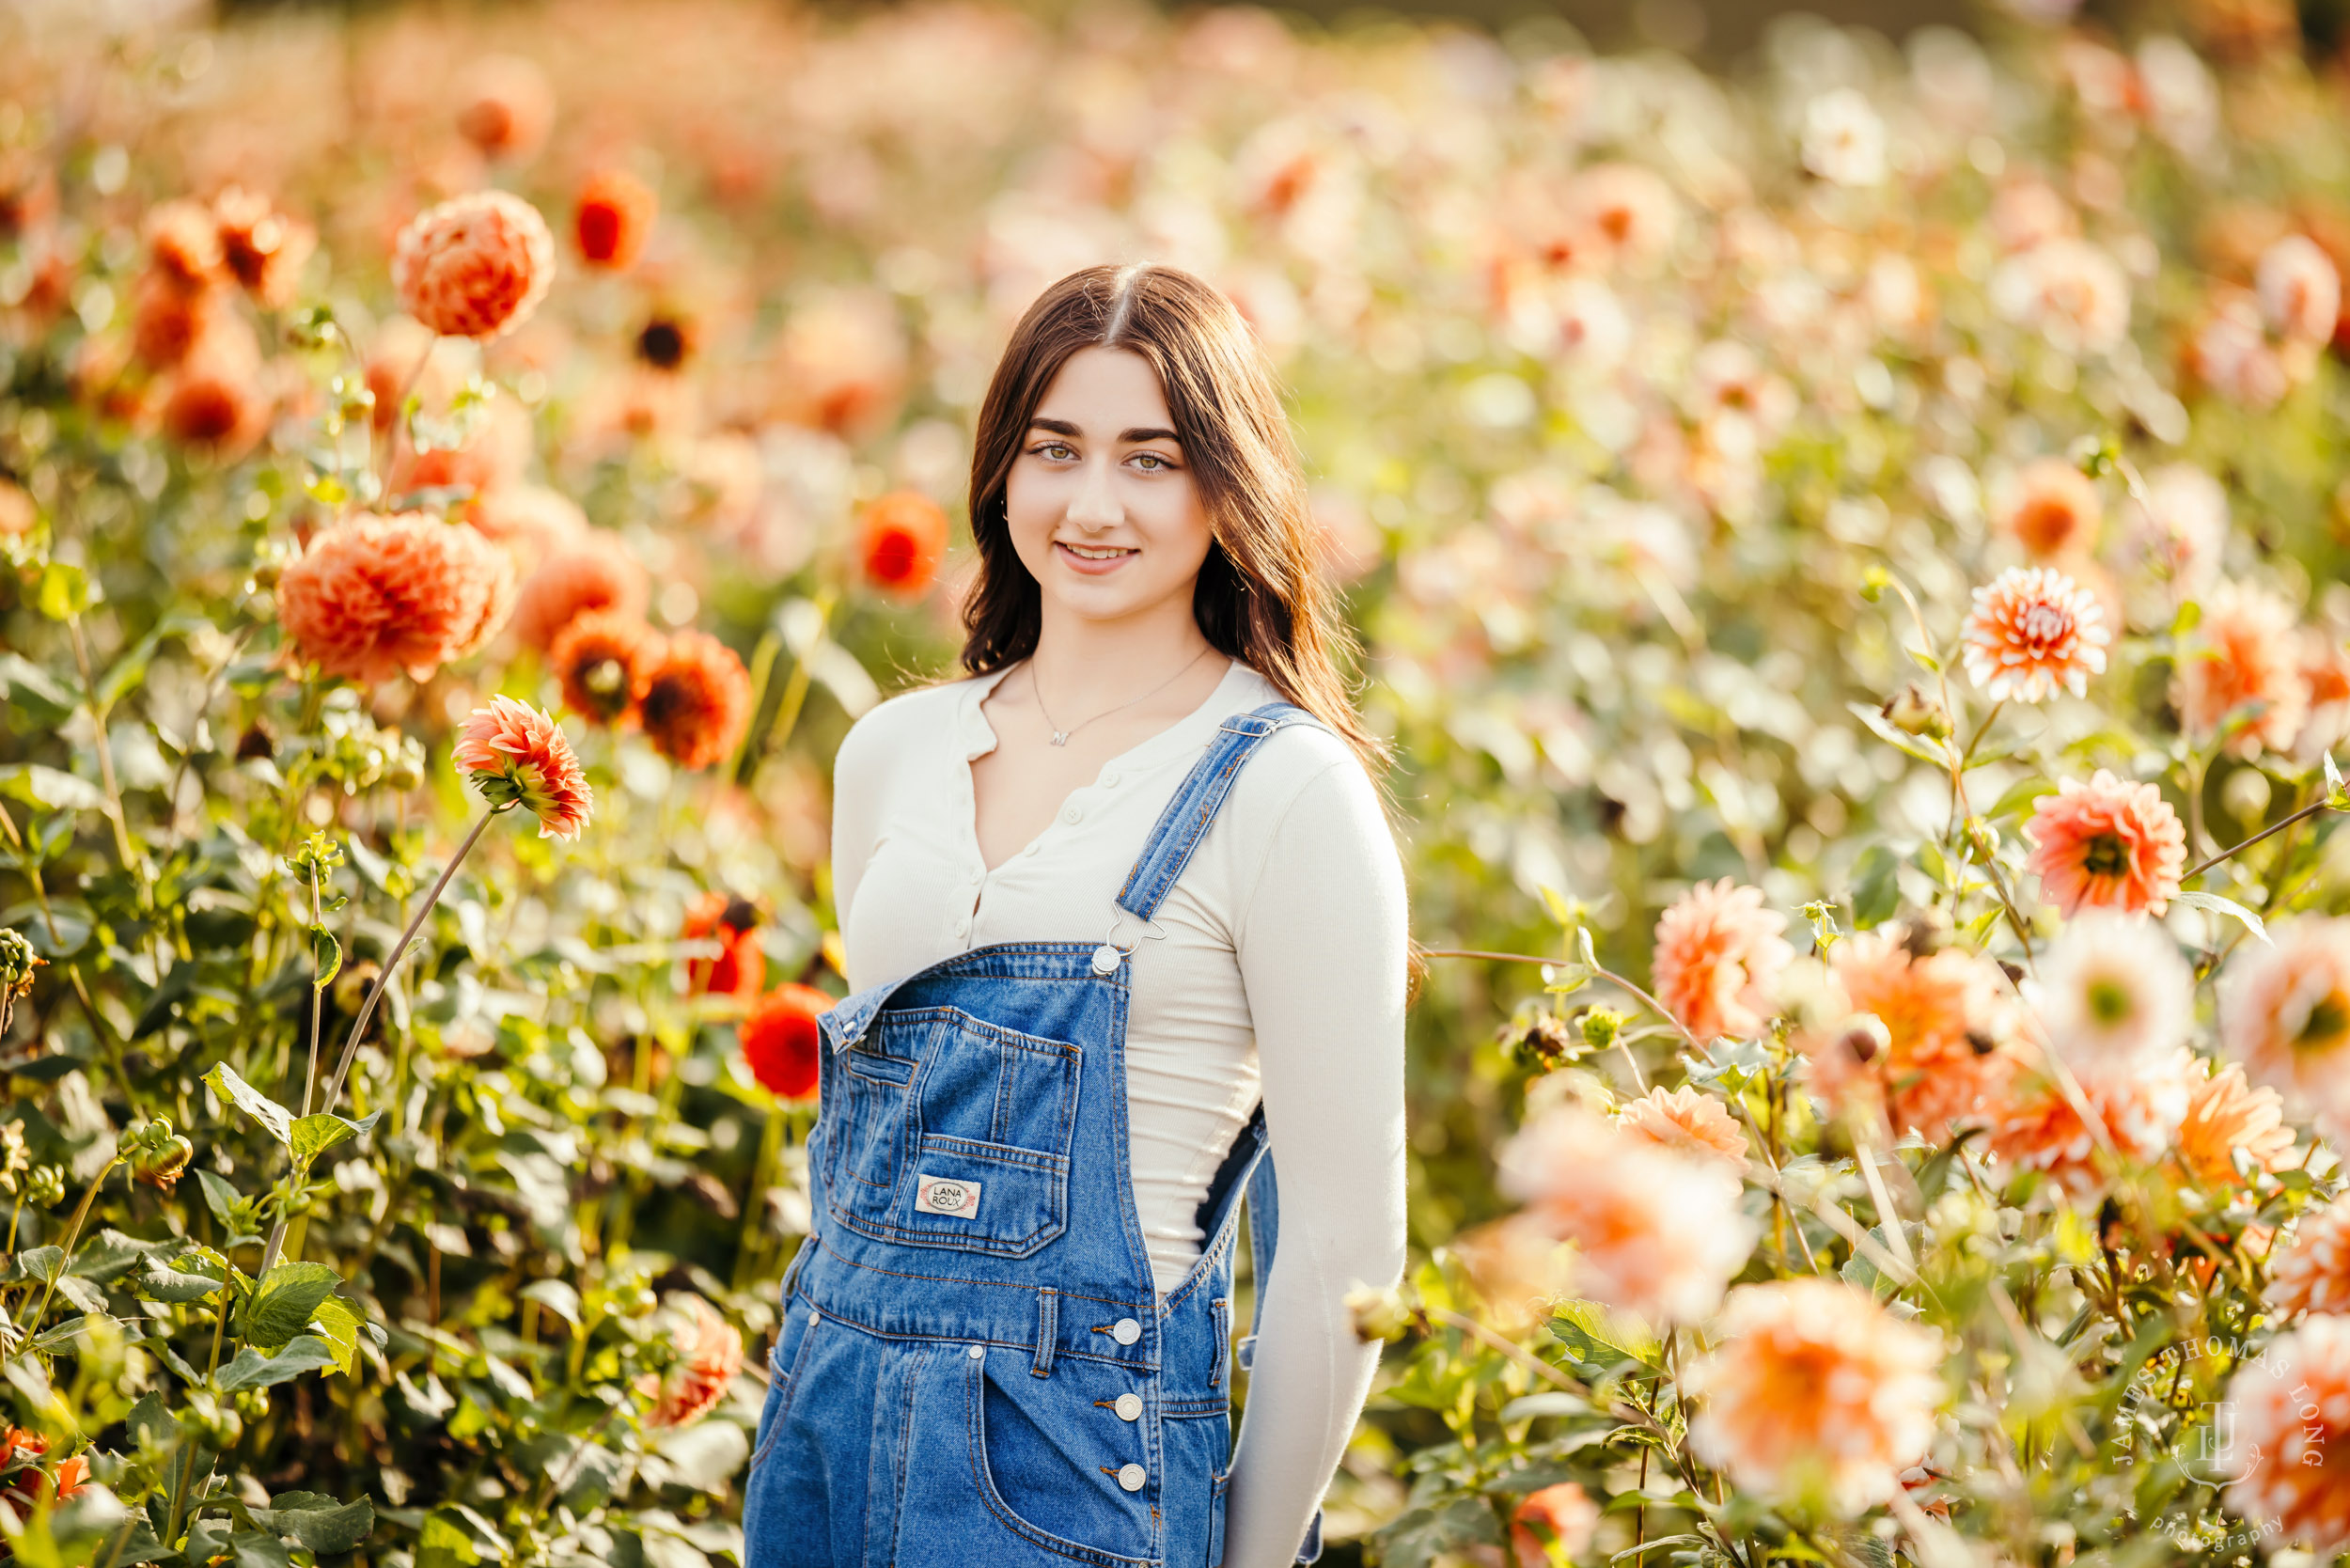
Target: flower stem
[[72, 1234], [2305, 812], [755, 1201], [375, 993]]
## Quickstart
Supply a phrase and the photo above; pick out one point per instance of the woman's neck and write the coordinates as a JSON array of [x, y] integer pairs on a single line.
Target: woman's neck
[[1090, 665]]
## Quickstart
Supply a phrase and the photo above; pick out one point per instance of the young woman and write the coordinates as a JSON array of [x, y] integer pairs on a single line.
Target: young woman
[[1122, 912]]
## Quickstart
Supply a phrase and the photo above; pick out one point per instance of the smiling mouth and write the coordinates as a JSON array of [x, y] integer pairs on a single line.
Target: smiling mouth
[[1095, 552]]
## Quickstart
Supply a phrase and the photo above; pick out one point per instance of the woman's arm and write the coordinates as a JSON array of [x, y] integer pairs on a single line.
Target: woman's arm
[[1322, 953], [857, 769]]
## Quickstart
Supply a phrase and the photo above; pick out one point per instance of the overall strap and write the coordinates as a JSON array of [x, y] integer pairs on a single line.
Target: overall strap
[[1188, 816]]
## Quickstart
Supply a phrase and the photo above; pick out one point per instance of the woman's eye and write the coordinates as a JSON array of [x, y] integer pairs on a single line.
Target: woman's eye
[[1056, 450], [1153, 462]]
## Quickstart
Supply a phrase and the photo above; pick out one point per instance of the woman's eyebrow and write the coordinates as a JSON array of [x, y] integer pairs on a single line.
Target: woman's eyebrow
[[1140, 432]]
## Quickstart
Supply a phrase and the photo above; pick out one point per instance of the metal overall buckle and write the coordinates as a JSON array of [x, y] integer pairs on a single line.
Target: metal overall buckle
[[1111, 953]]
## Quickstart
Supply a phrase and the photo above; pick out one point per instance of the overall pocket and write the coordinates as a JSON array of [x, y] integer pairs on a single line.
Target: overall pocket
[[956, 1134]]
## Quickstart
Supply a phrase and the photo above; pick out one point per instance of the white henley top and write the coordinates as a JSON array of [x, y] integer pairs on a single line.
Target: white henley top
[[1278, 971]]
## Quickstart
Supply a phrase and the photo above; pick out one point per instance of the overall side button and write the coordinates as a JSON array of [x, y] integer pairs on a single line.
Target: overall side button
[[1129, 1407], [1132, 1477], [1125, 1331]]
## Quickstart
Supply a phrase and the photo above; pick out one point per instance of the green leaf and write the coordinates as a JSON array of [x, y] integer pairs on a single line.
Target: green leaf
[[338, 1326], [1555, 902], [326, 956], [59, 1333], [223, 1080], [1911, 744], [170, 1284], [2020, 795], [1599, 1337], [1875, 887], [2214, 903], [64, 591], [556, 1297], [43, 1263], [253, 1548], [285, 1300], [320, 1523], [252, 1370], [2337, 793], [35, 692], [220, 1198], [309, 1137], [51, 789], [2190, 615]]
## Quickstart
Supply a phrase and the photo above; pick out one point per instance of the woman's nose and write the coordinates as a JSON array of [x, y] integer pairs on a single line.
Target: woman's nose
[[1096, 504]]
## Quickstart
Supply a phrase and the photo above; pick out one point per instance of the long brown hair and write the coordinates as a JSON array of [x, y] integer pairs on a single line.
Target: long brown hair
[[1262, 597]]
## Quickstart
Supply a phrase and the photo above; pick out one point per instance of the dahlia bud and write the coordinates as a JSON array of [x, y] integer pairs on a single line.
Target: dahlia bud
[[203, 1419], [1542, 1044], [1380, 1317], [17, 962], [162, 1167], [1865, 1036], [45, 1186], [1602, 1027], [1914, 711]]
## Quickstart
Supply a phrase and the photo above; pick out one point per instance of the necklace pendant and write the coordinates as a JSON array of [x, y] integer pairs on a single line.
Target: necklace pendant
[[1061, 737]]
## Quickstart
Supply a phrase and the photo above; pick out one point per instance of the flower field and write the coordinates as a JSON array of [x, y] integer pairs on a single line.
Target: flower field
[[1848, 552]]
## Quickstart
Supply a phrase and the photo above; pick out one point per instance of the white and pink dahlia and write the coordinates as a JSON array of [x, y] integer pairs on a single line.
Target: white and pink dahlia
[[2284, 1013], [2035, 631], [2112, 989], [2292, 1408]]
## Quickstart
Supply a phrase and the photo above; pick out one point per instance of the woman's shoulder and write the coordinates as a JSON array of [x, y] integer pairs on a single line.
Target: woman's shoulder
[[892, 728], [1304, 756]]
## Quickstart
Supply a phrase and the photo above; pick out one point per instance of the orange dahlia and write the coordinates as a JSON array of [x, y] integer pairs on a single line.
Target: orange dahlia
[[741, 968], [604, 661], [506, 106], [2032, 631], [2326, 680], [2054, 510], [2292, 1408], [1654, 1233], [2243, 664], [698, 701], [901, 539], [779, 1040], [215, 401], [2225, 1113], [1815, 1390], [1719, 952], [531, 520], [1687, 1121], [518, 756], [2284, 1013], [614, 218], [594, 571], [2107, 844], [2033, 1125], [709, 1354], [183, 240], [376, 595], [2312, 1271], [1553, 1526], [1940, 1037], [169, 317], [476, 266], [260, 247]]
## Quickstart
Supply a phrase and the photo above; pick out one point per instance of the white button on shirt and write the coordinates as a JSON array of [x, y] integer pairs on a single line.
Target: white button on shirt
[[1275, 965]]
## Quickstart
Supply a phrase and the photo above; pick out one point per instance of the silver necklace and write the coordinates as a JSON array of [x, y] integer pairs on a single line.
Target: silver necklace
[[1060, 736]]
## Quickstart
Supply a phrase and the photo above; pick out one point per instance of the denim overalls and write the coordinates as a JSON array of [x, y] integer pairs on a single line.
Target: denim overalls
[[974, 1367]]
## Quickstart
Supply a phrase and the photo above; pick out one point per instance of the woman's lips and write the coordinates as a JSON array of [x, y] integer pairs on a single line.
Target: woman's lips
[[1091, 567]]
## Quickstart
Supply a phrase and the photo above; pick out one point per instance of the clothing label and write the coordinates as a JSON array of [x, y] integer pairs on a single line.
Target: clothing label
[[936, 1195]]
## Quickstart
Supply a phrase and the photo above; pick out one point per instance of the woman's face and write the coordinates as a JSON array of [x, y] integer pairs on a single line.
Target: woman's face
[[1102, 505]]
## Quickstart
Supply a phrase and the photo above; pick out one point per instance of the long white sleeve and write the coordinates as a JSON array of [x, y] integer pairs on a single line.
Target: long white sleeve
[[1322, 953]]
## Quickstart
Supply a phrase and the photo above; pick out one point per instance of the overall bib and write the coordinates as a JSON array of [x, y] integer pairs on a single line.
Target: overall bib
[[974, 1366]]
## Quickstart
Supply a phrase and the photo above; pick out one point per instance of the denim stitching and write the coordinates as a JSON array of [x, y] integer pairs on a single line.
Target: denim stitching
[[976, 1381]]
